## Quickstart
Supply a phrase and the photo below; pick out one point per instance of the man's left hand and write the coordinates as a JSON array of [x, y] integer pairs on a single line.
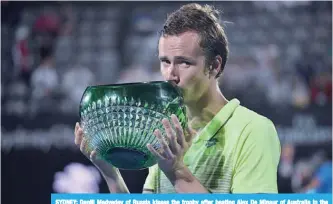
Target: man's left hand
[[170, 155]]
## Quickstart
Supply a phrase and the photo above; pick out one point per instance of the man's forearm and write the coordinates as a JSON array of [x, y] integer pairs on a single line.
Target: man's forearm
[[185, 182], [116, 185]]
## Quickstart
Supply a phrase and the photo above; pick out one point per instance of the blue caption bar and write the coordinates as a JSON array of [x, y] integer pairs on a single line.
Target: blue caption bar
[[191, 199]]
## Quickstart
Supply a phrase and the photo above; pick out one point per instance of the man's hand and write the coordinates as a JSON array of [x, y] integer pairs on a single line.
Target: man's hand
[[171, 155], [111, 174], [107, 170]]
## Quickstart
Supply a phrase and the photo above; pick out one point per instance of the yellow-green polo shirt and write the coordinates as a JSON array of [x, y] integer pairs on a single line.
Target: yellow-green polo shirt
[[238, 151]]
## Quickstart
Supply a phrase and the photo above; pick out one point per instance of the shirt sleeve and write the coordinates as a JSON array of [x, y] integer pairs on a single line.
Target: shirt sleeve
[[149, 185], [257, 160]]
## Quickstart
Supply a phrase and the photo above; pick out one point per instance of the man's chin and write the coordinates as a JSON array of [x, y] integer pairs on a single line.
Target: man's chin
[[183, 91], [187, 98]]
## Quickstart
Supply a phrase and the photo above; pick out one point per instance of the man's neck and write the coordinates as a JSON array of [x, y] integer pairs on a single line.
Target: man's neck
[[203, 110]]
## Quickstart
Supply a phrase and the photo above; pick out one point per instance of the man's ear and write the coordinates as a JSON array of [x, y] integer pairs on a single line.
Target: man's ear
[[215, 66]]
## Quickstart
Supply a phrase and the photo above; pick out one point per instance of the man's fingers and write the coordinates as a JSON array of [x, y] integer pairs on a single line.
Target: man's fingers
[[154, 152], [82, 143], [191, 135], [167, 128], [83, 148], [166, 152], [171, 137], [78, 136], [75, 133], [77, 126], [93, 155], [180, 134]]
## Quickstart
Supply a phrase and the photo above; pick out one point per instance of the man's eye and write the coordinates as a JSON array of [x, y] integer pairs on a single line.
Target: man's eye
[[165, 61], [186, 63]]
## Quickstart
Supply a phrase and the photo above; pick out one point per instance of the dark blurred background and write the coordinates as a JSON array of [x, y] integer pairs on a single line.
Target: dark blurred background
[[280, 66]]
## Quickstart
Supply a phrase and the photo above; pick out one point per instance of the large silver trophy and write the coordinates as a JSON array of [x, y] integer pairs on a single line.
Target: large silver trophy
[[119, 120]]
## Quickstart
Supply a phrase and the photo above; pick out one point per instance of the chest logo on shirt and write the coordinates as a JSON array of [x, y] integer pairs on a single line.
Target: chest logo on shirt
[[211, 142]]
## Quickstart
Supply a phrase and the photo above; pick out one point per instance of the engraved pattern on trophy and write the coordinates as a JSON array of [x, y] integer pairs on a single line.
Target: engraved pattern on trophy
[[119, 120]]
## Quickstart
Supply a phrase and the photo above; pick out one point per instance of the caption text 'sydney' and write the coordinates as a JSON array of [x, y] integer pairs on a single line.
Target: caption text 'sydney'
[[239, 201]]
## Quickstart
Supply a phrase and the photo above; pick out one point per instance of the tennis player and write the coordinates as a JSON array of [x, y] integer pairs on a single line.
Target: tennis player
[[229, 148]]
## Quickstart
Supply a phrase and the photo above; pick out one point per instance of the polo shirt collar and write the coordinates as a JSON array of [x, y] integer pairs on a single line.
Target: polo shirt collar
[[218, 121]]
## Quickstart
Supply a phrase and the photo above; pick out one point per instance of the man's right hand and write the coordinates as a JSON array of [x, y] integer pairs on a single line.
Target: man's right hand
[[107, 170], [111, 174]]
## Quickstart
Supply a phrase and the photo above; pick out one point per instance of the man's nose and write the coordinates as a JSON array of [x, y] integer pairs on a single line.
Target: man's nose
[[173, 73]]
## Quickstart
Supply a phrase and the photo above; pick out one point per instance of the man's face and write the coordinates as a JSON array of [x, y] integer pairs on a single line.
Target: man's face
[[183, 61]]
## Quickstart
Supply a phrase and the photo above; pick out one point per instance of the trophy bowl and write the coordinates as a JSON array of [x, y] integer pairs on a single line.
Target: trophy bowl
[[118, 120]]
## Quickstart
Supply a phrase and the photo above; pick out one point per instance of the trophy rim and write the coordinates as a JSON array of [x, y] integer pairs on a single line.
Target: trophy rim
[[170, 82]]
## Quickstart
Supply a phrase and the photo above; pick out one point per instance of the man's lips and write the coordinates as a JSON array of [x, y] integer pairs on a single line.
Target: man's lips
[[175, 82]]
